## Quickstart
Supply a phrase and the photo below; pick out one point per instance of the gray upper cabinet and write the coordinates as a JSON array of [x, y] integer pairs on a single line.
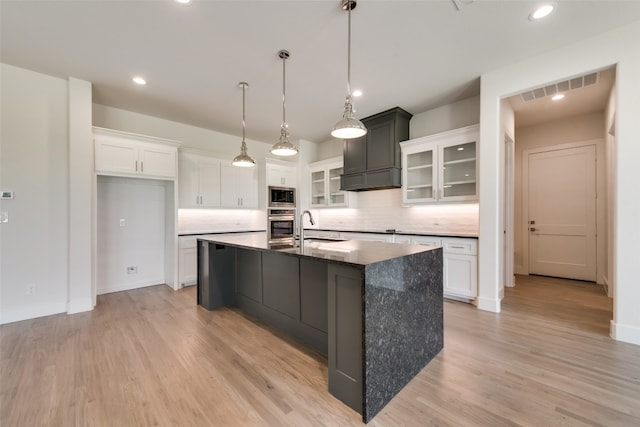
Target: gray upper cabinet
[[374, 161]]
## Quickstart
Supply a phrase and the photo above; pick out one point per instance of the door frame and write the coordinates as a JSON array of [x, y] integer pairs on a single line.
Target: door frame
[[509, 279], [525, 196]]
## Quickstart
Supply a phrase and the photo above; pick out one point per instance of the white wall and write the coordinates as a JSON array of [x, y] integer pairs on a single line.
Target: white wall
[[452, 116], [617, 47], [581, 128], [34, 155], [140, 242]]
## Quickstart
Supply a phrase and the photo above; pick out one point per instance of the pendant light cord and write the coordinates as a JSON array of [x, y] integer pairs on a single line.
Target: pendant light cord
[[349, 52], [284, 119], [243, 122]]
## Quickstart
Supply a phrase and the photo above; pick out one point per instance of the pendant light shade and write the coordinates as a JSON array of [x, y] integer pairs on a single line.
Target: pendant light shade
[[349, 127], [243, 160], [283, 147]]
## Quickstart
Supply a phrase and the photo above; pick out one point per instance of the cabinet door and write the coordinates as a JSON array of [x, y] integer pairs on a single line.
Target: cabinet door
[[247, 179], [229, 187], [381, 153], [281, 176], [313, 293], [248, 274], [115, 155], [336, 197], [460, 275], [209, 182], [189, 196], [281, 283], [345, 334], [355, 155], [419, 175], [458, 171], [188, 266], [319, 188], [158, 161]]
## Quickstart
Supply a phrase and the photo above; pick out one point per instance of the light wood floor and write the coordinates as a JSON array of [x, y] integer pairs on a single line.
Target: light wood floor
[[151, 357]]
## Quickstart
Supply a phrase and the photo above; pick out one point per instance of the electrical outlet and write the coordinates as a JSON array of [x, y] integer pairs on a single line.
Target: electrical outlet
[[123, 222], [132, 270], [31, 290]]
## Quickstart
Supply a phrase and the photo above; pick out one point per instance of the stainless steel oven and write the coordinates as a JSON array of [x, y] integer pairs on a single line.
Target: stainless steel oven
[[282, 197], [281, 226]]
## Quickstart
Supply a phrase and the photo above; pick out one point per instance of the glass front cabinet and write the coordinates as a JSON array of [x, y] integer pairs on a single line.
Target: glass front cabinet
[[441, 168], [325, 184]]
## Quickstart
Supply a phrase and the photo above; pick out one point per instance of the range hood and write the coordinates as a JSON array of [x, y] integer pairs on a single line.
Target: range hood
[[373, 162]]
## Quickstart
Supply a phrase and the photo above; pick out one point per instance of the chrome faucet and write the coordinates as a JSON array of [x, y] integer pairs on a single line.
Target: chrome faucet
[[301, 225]]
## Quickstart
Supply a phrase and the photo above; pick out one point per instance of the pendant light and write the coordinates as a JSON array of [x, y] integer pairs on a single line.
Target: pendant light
[[349, 127], [243, 160], [284, 147]]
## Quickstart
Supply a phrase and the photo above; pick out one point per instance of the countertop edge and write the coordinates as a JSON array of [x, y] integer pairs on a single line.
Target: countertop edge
[[403, 233]]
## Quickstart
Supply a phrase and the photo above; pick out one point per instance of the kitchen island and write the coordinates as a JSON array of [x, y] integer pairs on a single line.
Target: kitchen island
[[375, 309]]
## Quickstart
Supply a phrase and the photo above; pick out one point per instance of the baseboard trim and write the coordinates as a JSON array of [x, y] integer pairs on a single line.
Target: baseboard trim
[[626, 333], [32, 312], [131, 286], [489, 304], [80, 305]]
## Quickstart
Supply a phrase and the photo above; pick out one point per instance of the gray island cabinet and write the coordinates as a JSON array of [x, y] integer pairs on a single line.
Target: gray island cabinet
[[375, 309]]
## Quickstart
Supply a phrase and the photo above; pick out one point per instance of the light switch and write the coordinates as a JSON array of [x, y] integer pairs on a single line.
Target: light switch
[[123, 223], [4, 217]]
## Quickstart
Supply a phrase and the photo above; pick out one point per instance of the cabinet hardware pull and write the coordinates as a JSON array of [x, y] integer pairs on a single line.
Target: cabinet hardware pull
[[456, 247], [142, 167], [136, 166]]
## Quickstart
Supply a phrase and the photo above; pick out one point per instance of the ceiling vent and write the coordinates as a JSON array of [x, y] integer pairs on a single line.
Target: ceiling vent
[[564, 86]]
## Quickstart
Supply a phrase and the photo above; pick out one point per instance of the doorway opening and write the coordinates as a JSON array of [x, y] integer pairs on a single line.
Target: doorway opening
[[561, 197]]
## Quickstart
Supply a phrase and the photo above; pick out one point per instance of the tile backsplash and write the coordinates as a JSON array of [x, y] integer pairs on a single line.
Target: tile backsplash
[[191, 221], [382, 209]]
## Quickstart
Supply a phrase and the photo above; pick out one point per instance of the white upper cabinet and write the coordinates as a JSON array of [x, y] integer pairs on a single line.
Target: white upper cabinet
[[239, 188], [124, 154], [279, 175], [199, 184], [208, 182], [325, 184], [441, 168]]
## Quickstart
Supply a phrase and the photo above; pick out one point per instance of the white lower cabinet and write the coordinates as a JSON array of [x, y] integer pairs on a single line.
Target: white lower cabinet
[[188, 260], [460, 264]]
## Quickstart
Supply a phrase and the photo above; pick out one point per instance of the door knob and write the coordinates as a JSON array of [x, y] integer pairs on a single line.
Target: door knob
[[532, 229]]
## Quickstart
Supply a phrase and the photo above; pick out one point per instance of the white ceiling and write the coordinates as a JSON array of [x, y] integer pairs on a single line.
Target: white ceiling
[[414, 54]]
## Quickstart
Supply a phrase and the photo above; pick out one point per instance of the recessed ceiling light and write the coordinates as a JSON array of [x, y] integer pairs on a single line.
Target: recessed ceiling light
[[541, 11], [139, 81], [557, 97], [357, 92], [184, 1]]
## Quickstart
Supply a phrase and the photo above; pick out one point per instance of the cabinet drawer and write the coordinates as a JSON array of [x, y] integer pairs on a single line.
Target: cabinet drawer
[[427, 240], [187, 242], [460, 246]]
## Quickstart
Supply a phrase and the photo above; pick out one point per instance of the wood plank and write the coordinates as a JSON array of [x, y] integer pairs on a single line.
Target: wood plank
[[150, 356]]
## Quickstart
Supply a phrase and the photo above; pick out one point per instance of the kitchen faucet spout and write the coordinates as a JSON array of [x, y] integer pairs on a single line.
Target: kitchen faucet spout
[[301, 225]]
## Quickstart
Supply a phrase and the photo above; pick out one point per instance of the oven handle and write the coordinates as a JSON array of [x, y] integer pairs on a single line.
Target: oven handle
[[281, 218]]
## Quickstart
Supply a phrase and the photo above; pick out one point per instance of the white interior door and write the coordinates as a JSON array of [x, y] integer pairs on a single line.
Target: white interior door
[[562, 213]]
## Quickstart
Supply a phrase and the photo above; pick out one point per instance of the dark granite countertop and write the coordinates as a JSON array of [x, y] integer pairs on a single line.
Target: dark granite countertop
[[353, 252], [220, 232], [406, 233]]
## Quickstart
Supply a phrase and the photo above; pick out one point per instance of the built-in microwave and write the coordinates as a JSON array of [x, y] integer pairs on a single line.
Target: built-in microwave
[[282, 197]]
